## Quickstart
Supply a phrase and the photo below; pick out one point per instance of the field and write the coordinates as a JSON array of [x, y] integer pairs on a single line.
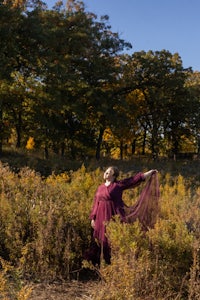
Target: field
[[44, 231], [72, 290]]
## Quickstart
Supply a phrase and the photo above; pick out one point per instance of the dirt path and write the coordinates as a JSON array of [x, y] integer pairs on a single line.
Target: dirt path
[[73, 290]]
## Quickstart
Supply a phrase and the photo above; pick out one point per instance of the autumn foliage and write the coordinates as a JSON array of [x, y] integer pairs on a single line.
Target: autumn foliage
[[69, 92], [44, 231]]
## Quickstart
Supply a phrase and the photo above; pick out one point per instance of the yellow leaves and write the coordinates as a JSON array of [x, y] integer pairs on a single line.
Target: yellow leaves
[[171, 236], [124, 237], [30, 143], [193, 79], [45, 226], [181, 190], [175, 196], [108, 135], [11, 286], [16, 3], [3, 280], [24, 293], [135, 96], [60, 178]]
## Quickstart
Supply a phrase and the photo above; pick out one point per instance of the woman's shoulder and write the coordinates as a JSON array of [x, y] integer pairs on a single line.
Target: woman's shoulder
[[101, 186]]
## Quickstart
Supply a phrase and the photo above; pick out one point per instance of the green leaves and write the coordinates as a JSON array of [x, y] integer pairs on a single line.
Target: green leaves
[[75, 84]]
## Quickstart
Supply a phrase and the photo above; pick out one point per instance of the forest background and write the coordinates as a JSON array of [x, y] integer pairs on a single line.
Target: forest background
[[72, 102]]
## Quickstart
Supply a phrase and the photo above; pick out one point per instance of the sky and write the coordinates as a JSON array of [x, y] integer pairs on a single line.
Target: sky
[[156, 25]]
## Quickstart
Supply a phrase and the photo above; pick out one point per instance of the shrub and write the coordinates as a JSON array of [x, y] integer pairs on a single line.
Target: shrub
[[45, 229], [11, 283]]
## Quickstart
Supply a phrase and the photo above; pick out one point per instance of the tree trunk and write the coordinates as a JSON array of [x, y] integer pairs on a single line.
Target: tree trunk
[[175, 146], [133, 146], [99, 142], [155, 141], [62, 149], [1, 130], [198, 149], [46, 152], [121, 150], [144, 142], [18, 131], [73, 149]]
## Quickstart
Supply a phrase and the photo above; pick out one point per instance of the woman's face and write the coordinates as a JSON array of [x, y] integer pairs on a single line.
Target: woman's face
[[108, 174]]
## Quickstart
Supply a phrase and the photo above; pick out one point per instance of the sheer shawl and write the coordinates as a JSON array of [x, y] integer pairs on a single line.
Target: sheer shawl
[[146, 208]]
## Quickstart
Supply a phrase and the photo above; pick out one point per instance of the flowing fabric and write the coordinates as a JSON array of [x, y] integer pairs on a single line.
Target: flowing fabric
[[146, 208], [108, 202]]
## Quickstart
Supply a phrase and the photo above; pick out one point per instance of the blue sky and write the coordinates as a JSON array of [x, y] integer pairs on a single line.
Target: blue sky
[[173, 25]]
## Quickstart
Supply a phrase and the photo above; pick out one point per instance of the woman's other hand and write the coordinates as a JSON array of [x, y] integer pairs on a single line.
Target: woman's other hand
[[93, 223]]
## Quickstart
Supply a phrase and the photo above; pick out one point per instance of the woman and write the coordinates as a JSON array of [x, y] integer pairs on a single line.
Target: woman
[[107, 203]]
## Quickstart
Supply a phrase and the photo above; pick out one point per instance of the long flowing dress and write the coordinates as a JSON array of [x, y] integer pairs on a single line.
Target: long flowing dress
[[107, 203]]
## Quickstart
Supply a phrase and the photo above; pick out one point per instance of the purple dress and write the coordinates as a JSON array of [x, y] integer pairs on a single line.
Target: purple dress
[[108, 202]]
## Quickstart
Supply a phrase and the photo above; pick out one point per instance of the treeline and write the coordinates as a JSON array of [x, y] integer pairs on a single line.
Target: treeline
[[67, 87]]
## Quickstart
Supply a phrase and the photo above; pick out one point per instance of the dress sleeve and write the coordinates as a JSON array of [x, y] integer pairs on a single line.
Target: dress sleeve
[[132, 182], [94, 208]]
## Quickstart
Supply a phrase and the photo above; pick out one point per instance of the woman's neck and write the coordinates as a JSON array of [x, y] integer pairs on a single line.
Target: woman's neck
[[108, 182]]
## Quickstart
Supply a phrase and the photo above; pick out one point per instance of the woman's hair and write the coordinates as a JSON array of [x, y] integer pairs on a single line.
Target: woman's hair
[[115, 171]]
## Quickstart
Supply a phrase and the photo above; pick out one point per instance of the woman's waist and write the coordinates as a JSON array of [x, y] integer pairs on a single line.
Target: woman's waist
[[106, 200]]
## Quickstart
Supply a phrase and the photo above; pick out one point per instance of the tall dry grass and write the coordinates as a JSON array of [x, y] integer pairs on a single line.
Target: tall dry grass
[[11, 283], [44, 231]]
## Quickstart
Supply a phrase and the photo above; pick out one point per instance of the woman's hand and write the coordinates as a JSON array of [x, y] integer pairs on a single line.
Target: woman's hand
[[149, 173], [93, 223]]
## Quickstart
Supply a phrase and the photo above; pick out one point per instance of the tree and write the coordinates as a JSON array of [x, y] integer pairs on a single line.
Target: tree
[[24, 29], [160, 77], [9, 18], [193, 87], [100, 70], [80, 71]]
